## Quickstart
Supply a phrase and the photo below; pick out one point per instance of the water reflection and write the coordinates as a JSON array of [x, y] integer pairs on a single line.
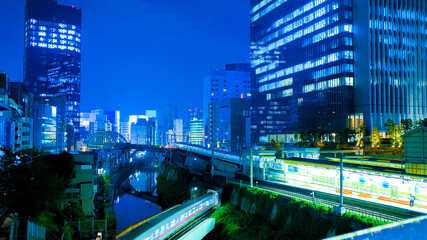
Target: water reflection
[[144, 182], [130, 210]]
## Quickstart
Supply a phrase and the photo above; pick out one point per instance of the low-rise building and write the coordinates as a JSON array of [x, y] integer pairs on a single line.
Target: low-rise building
[[416, 151], [82, 188]]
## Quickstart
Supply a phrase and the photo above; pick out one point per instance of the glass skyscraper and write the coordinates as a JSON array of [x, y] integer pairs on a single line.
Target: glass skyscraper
[[390, 60], [302, 66], [52, 54], [331, 64]]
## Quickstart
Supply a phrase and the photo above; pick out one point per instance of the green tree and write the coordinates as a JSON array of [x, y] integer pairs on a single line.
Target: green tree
[[375, 138], [305, 136], [396, 136], [35, 181], [418, 123], [360, 132], [296, 136], [389, 125], [277, 146], [406, 124], [345, 135]]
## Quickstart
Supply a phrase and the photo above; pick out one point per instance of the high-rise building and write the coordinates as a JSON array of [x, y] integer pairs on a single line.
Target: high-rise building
[[178, 130], [196, 132], [228, 123], [170, 114], [143, 131], [45, 126], [219, 85], [52, 54], [114, 118], [63, 140], [24, 101], [125, 130], [195, 113], [16, 122], [390, 61], [327, 65]]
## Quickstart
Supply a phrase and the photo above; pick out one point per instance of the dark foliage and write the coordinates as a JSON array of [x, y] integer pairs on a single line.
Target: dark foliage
[[33, 181]]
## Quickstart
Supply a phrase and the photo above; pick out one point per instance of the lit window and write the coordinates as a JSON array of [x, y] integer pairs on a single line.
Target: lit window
[[348, 27]]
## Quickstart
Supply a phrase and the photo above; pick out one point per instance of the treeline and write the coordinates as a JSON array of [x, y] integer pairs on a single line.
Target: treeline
[[358, 136], [32, 185]]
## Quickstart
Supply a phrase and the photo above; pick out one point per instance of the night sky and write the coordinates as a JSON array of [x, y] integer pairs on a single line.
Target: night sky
[[142, 54]]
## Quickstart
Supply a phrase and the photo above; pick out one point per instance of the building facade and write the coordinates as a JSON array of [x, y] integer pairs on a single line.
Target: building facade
[[52, 59], [114, 118], [45, 126], [196, 132], [125, 130], [178, 130], [328, 65], [301, 67], [228, 123], [16, 120], [233, 82], [143, 131], [390, 64]]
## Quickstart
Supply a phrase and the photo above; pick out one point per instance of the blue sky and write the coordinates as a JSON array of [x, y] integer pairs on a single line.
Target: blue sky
[[142, 54]]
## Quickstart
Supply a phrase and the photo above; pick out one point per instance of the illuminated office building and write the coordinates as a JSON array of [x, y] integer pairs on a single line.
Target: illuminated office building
[[125, 130], [178, 130], [331, 64], [45, 127], [114, 118], [219, 85], [390, 60], [196, 131], [52, 55]]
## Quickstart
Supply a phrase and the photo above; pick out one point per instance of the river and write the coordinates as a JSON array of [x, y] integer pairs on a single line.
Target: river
[[130, 209]]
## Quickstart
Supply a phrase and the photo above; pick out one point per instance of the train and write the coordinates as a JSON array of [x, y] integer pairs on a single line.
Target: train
[[172, 220]]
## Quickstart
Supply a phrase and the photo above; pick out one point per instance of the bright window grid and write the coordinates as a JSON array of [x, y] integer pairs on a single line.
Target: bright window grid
[[289, 38], [296, 24], [347, 81], [321, 36], [298, 68], [52, 41], [274, 6]]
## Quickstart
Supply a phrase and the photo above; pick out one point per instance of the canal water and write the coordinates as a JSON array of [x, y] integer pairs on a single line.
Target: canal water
[[130, 209]]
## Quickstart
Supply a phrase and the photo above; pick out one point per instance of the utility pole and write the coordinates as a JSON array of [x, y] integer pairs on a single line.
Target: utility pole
[[252, 168], [340, 210], [212, 167], [341, 181]]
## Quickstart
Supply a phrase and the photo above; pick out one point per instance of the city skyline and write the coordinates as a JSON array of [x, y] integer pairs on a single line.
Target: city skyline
[[207, 36]]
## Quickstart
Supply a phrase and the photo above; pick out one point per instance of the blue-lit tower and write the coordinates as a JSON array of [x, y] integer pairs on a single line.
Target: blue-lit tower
[[390, 54], [52, 59], [331, 64], [301, 67]]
